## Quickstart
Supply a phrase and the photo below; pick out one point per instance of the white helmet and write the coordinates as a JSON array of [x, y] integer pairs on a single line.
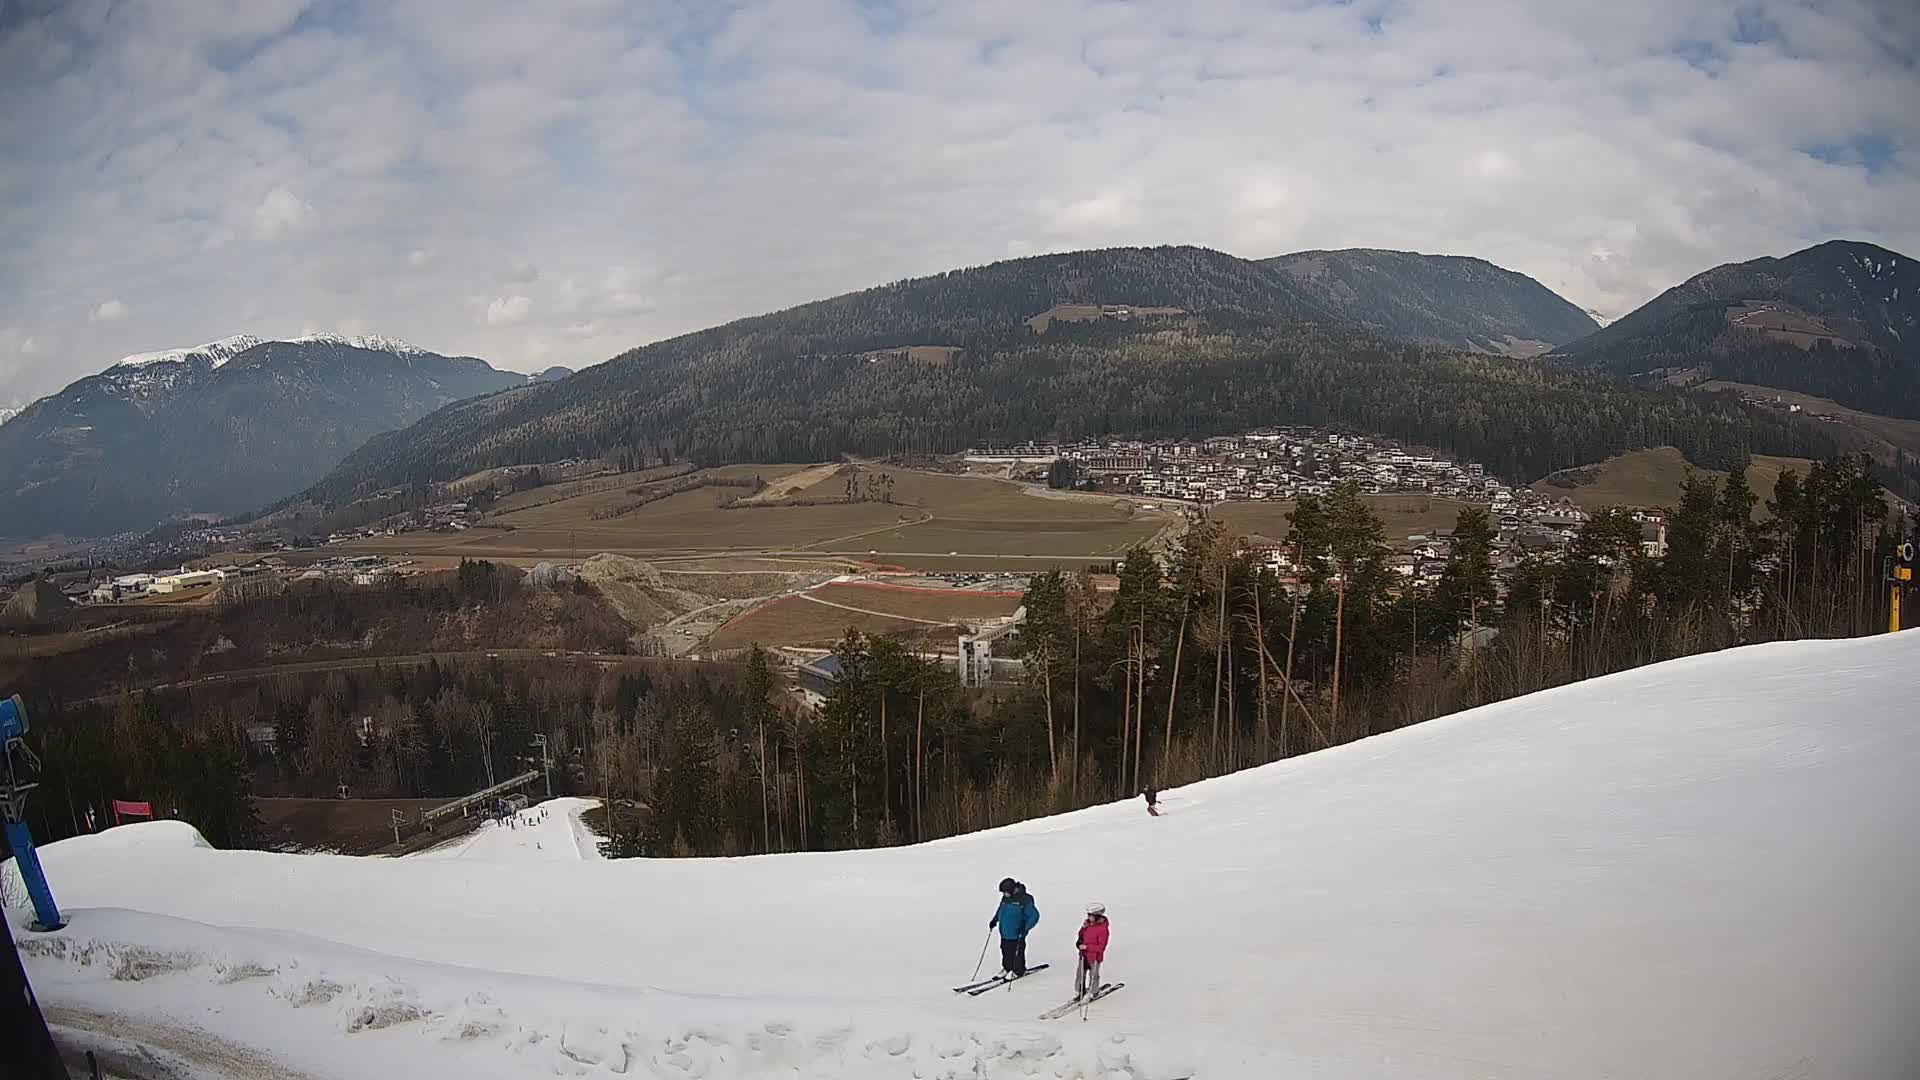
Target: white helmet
[[1096, 908]]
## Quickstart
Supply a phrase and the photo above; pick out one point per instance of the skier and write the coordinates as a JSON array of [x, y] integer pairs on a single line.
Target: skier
[[1092, 943], [1016, 918], [1153, 801]]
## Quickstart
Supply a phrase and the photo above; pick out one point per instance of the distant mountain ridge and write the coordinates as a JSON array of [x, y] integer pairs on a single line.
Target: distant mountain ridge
[[1450, 300], [217, 428], [1147, 341], [1839, 320]]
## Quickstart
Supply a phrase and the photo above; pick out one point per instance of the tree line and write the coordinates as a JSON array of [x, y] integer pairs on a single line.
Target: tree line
[[1201, 661], [1212, 661]]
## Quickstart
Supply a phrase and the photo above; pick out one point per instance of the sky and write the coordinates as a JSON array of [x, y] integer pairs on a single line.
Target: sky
[[557, 182]]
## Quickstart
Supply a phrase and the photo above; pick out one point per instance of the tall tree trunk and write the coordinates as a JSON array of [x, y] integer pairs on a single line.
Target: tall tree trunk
[[1126, 719], [1140, 705], [919, 765], [1339, 625], [1173, 698], [1260, 638], [1053, 755], [886, 770], [1233, 718], [1073, 782], [1293, 633], [780, 796], [766, 818], [1219, 668]]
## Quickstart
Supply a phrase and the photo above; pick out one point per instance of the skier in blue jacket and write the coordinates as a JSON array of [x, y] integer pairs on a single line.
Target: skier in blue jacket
[[1016, 918]]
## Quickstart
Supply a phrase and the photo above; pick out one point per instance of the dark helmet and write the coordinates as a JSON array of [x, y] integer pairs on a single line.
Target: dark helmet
[[1008, 885]]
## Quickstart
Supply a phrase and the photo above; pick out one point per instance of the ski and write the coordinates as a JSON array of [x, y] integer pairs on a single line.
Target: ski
[[995, 983], [1059, 1011], [983, 982]]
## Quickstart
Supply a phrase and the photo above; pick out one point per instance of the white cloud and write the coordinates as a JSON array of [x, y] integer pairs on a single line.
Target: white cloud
[[279, 211], [624, 292], [507, 310], [450, 146], [109, 311], [29, 346]]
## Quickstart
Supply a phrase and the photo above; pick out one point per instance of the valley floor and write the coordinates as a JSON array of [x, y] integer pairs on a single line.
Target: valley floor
[[1694, 869]]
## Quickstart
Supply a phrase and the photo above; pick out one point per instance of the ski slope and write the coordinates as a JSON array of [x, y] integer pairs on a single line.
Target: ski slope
[[550, 832], [1700, 869]]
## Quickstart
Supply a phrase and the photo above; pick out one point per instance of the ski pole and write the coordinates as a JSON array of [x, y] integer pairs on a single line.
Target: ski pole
[[983, 955]]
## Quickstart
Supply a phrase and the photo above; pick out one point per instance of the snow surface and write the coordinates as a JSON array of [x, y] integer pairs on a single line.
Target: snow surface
[[363, 341], [215, 352], [8, 412], [551, 831], [1699, 869]]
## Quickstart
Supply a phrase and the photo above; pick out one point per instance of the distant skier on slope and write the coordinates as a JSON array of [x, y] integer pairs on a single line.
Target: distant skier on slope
[[1016, 918], [1092, 943], [1153, 801]]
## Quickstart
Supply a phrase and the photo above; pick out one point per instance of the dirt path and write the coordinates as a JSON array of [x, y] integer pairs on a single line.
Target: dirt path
[[154, 1050], [925, 516], [880, 614], [787, 486]]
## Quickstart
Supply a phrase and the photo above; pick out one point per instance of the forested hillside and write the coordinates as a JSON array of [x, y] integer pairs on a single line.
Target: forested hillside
[[1840, 320], [1250, 349], [1440, 299]]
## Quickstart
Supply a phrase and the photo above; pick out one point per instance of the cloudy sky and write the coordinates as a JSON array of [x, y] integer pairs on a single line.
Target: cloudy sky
[[554, 182]]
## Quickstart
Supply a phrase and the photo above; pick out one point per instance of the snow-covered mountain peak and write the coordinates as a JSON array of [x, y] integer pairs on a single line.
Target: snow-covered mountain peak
[[8, 412], [362, 341], [216, 352]]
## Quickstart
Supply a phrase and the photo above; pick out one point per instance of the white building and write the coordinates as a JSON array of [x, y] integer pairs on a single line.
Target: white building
[[185, 579]]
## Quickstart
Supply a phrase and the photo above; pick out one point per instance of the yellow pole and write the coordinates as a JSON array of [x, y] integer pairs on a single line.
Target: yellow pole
[[1893, 609]]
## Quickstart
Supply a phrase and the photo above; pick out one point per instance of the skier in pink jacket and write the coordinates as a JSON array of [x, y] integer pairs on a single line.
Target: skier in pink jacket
[[1092, 944]]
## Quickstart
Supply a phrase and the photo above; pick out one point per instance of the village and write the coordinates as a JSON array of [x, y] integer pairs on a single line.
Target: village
[[1287, 463]]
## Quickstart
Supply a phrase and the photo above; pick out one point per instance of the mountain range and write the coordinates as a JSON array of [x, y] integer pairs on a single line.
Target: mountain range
[[1839, 320], [1140, 341], [218, 428], [1148, 341]]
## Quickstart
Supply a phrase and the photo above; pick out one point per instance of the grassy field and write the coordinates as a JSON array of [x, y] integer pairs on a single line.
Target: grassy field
[[937, 604], [1653, 478], [931, 515], [1403, 516], [971, 515]]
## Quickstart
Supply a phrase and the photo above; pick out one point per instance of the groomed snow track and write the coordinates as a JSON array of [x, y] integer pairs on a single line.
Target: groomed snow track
[[1699, 869]]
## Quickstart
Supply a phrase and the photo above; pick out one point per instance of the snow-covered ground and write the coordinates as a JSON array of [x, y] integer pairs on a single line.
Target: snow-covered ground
[[1702, 869], [550, 832]]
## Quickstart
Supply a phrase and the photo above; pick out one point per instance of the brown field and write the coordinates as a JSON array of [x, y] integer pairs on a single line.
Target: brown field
[[1653, 478], [972, 515], [931, 515], [349, 826], [567, 489], [1403, 516], [944, 605], [792, 620]]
